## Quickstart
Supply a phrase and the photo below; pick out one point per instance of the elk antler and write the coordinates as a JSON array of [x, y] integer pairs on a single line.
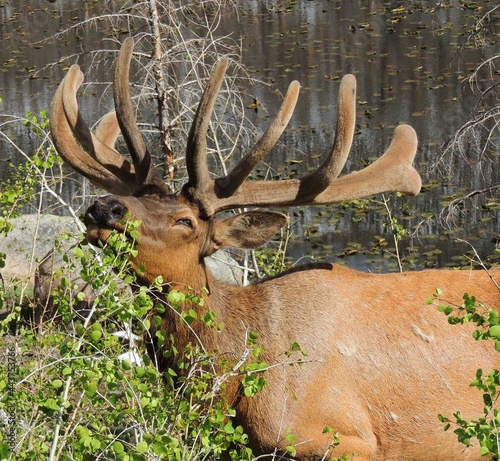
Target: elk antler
[[93, 155], [392, 172]]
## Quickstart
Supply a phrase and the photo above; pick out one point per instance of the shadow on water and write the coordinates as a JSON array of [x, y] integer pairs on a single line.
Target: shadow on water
[[409, 63]]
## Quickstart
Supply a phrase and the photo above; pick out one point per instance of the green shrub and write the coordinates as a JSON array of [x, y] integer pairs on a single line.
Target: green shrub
[[74, 398], [486, 430]]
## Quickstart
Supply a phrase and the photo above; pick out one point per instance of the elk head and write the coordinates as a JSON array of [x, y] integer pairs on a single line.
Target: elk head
[[181, 227]]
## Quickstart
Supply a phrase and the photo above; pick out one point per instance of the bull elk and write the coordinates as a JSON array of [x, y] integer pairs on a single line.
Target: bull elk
[[382, 364]]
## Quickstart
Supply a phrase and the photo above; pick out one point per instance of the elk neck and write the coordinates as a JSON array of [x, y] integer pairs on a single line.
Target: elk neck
[[225, 339]]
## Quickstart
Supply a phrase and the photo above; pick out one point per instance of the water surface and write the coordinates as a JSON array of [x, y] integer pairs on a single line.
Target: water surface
[[409, 60]]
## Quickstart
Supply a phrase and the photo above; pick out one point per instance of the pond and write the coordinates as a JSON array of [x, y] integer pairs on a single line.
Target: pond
[[410, 60]]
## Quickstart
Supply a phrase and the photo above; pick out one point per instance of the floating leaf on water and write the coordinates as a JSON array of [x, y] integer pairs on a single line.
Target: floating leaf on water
[[492, 205]]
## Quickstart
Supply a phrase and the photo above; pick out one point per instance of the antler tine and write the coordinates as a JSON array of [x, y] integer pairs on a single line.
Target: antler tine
[[228, 185], [144, 167], [392, 172], [316, 182], [108, 129], [99, 163], [196, 147]]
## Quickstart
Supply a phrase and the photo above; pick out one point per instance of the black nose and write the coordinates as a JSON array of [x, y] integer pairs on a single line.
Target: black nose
[[106, 211]]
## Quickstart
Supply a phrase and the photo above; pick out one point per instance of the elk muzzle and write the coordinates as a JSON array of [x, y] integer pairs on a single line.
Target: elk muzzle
[[106, 213]]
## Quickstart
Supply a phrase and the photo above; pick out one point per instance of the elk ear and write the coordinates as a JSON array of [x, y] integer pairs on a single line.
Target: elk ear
[[247, 230]]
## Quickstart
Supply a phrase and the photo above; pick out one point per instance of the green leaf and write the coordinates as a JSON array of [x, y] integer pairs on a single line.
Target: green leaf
[[495, 331], [142, 447], [176, 297], [118, 447], [92, 386], [483, 451], [135, 234], [189, 316], [95, 335], [50, 404], [493, 317]]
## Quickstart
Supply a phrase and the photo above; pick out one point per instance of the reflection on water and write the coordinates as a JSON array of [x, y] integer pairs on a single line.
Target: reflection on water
[[408, 67]]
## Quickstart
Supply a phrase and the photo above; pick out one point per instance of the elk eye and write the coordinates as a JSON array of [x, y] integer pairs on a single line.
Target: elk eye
[[185, 222]]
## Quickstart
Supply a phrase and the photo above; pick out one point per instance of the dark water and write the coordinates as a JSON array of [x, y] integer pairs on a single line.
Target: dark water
[[409, 60]]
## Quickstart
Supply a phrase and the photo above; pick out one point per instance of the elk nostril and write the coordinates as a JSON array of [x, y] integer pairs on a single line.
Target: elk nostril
[[117, 210]]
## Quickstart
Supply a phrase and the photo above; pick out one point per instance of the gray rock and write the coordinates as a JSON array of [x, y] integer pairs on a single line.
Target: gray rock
[[31, 238]]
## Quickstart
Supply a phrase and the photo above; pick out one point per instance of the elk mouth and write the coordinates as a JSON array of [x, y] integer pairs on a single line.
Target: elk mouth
[[97, 234]]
